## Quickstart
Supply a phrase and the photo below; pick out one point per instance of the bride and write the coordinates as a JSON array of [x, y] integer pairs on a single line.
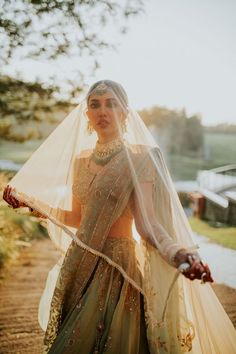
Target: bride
[[101, 184]]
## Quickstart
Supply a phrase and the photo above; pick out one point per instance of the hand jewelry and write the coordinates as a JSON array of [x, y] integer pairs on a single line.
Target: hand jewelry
[[202, 277]]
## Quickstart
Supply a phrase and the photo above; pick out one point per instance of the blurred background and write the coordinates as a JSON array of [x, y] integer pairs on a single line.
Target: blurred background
[[175, 58], [177, 61]]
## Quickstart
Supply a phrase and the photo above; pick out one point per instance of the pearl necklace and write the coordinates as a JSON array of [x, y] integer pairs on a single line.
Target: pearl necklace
[[104, 152]]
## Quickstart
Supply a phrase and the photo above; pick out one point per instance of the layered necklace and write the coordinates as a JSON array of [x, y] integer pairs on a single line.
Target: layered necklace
[[104, 152]]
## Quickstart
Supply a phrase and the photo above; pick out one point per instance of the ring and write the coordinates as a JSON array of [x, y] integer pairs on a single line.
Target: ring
[[192, 275], [202, 277]]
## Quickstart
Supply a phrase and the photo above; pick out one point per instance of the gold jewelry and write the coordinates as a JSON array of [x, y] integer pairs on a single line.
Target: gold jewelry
[[104, 152], [124, 126], [89, 128], [202, 277], [100, 89]]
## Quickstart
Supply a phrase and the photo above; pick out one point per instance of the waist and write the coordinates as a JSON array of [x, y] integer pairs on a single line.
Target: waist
[[121, 228]]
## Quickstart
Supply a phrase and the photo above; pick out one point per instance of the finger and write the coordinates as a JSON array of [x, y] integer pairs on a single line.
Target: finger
[[196, 269], [9, 196], [6, 194], [208, 276]]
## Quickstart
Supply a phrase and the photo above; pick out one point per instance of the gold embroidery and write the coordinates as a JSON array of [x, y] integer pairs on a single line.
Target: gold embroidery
[[80, 261], [161, 344], [186, 340]]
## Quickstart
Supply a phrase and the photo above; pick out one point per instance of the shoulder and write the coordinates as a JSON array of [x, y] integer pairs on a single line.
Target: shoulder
[[144, 157], [82, 157]]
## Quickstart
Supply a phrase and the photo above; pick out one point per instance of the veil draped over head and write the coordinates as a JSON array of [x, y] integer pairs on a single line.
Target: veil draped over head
[[177, 309]]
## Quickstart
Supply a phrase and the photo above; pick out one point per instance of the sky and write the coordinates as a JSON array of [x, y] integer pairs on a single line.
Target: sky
[[179, 53]]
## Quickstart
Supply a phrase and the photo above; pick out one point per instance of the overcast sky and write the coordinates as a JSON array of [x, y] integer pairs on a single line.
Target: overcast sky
[[181, 53]]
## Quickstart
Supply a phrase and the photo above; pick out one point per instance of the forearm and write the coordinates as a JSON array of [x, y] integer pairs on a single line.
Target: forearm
[[66, 217], [159, 238]]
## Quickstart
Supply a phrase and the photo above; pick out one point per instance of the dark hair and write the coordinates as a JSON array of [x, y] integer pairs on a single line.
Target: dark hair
[[114, 86]]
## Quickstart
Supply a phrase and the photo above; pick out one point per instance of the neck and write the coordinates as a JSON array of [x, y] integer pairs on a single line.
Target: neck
[[107, 139]]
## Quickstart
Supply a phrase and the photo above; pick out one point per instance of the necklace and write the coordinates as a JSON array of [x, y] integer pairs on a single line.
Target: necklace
[[104, 152]]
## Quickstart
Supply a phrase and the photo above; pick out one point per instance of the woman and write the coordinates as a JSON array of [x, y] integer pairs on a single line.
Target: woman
[[116, 288]]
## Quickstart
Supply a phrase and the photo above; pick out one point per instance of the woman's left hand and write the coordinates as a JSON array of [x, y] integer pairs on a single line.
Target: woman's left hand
[[196, 270]]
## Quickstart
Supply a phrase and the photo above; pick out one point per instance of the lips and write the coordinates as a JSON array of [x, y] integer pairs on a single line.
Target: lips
[[103, 123]]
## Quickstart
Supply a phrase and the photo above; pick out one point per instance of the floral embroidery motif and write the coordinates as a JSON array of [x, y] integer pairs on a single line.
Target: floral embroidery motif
[[186, 340]]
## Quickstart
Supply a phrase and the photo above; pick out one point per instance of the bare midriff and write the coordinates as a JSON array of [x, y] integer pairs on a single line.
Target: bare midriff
[[121, 228]]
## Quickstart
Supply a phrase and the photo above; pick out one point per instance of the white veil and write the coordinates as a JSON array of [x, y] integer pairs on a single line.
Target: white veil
[[182, 316]]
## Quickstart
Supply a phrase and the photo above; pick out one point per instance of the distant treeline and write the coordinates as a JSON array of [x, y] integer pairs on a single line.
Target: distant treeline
[[31, 111], [175, 131], [223, 128]]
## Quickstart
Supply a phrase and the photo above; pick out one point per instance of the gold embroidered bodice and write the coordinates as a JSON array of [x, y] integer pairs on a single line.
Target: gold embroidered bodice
[[83, 179]]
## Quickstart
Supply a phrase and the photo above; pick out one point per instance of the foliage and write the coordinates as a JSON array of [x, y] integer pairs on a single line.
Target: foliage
[[15, 229], [176, 133], [223, 128], [225, 236], [28, 110], [50, 29]]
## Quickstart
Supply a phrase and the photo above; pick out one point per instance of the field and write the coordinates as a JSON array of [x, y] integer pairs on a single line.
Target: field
[[219, 149], [18, 152]]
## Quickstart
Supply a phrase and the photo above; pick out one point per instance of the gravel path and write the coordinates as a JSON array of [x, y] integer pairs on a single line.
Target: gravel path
[[21, 290]]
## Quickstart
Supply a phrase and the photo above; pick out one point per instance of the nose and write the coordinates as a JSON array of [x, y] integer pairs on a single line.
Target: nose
[[102, 110]]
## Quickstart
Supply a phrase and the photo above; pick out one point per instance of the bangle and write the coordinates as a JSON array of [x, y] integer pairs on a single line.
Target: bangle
[[173, 256]]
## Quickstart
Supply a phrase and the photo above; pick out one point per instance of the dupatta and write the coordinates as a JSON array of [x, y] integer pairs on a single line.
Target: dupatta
[[181, 316]]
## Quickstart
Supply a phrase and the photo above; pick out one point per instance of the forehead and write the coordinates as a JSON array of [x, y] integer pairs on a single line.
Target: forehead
[[102, 96]]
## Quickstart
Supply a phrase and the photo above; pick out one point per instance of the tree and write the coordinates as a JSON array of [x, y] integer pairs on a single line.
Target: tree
[[177, 133], [28, 110], [49, 29]]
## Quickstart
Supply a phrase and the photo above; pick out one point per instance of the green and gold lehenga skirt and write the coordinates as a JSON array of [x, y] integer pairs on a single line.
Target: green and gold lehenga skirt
[[108, 317]]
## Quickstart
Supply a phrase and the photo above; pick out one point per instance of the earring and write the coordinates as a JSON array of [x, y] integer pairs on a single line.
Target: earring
[[124, 126], [89, 128]]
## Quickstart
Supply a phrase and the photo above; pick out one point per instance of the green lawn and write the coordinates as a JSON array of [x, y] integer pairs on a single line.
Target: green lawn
[[220, 149], [225, 236]]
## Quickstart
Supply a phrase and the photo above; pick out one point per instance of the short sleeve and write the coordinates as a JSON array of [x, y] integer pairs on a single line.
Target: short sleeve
[[76, 166], [148, 172]]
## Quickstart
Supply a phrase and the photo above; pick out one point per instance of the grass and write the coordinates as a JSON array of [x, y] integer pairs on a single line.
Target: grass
[[219, 150], [16, 229], [18, 152], [225, 236]]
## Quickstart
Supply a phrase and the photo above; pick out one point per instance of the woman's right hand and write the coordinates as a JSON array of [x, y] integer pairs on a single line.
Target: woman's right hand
[[10, 199], [15, 203]]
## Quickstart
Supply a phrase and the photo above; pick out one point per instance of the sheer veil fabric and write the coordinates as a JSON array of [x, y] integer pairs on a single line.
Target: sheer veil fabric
[[180, 314]]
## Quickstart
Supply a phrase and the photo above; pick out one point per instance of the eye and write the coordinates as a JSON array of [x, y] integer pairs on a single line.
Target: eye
[[112, 104], [94, 105]]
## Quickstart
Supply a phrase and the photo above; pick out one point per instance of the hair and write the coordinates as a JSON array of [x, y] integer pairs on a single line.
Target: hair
[[115, 87]]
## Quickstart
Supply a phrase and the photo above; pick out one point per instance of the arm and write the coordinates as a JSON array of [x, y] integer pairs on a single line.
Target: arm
[[153, 232], [67, 217], [148, 226]]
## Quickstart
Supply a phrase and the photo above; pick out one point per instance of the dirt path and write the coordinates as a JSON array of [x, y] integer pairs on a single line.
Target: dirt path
[[19, 298], [21, 291]]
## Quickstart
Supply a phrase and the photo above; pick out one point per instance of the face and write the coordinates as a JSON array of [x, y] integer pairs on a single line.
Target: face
[[105, 114]]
